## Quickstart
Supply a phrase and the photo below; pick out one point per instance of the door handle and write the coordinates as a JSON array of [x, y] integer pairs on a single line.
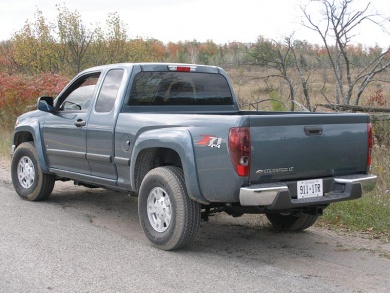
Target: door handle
[[80, 123]]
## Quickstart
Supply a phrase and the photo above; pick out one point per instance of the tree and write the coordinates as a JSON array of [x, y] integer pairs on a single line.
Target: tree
[[233, 53], [98, 51], [34, 48], [337, 29], [274, 55], [193, 50], [208, 52], [75, 38], [6, 57], [116, 39], [300, 54], [157, 50]]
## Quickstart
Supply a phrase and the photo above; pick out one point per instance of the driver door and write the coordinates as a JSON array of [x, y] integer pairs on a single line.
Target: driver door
[[64, 131]]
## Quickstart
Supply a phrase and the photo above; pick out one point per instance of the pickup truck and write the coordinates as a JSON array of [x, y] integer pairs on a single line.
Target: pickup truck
[[173, 135]]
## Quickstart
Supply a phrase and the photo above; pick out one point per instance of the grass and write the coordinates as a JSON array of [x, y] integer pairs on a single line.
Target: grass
[[5, 143], [371, 213], [249, 87]]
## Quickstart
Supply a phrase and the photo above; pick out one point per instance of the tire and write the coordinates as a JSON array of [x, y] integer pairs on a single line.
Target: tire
[[29, 181], [291, 222], [169, 218]]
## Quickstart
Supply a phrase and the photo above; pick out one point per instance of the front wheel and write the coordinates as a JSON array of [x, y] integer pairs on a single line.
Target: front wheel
[[291, 222], [29, 181], [169, 218]]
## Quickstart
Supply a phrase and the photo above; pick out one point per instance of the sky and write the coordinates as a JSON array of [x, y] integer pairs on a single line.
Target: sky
[[222, 21]]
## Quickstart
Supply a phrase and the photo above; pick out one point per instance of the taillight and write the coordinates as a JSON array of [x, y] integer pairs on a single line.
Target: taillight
[[370, 145], [240, 149]]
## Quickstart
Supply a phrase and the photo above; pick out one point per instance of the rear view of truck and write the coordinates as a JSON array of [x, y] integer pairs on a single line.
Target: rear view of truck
[[299, 163]]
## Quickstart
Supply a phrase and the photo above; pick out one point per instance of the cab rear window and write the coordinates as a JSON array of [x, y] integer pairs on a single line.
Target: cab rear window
[[180, 88]]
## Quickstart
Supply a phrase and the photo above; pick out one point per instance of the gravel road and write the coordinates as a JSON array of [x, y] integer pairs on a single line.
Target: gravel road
[[90, 240]]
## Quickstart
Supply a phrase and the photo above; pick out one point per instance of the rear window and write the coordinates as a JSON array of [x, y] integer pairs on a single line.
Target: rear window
[[180, 88]]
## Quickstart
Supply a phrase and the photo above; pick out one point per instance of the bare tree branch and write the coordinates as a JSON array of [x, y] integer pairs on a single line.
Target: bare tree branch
[[342, 22]]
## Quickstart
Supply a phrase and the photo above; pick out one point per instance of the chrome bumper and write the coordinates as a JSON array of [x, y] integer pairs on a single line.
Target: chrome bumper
[[366, 181], [266, 194]]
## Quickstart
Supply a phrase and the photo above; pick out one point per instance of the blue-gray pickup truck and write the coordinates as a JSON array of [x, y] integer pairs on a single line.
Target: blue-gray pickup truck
[[173, 135]]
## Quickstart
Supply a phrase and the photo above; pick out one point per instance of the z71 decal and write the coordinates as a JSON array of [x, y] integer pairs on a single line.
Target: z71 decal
[[210, 141]]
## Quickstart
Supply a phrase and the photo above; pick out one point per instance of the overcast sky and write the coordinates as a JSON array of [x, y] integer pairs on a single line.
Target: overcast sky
[[222, 21]]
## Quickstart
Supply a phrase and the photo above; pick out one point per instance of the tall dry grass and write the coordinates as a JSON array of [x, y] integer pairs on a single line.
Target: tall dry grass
[[5, 148], [250, 86]]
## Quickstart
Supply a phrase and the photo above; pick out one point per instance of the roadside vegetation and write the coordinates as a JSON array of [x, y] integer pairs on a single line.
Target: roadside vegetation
[[5, 144], [285, 75], [371, 213]]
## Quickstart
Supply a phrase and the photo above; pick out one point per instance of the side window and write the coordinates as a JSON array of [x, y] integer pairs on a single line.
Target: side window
[[79, 95], [108, 93]]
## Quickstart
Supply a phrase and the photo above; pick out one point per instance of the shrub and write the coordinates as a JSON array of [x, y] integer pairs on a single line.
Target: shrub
[[17, 92], [381, 129], [377, 99], [275, 102]]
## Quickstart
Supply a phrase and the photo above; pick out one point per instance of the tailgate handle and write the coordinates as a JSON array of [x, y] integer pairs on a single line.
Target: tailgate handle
[[313, 130]]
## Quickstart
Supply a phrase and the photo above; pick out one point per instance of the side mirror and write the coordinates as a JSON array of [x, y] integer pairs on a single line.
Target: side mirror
[[45, 104]]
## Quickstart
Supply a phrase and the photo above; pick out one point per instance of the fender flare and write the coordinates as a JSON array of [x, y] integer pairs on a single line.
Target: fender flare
[[179, 140], [33, 128]]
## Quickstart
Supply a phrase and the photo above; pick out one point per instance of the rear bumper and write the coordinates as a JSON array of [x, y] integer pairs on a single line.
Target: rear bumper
[[278, 196]]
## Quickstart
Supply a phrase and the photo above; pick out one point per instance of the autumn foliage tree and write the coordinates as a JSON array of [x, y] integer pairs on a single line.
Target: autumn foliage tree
[[34, 49], [19, 93], [116, 39], [74, 39]]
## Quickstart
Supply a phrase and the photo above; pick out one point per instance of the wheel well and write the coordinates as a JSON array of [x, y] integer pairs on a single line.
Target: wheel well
[[151, 158], [22, 136]]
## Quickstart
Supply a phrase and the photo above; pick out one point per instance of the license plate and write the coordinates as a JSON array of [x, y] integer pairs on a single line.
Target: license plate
[[310, 188]]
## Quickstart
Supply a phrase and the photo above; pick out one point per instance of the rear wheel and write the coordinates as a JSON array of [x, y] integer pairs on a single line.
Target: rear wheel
[[169, 218], [29, 181], [291, 222]]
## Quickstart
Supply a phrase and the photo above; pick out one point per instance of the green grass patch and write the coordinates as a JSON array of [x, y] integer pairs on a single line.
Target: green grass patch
[[371, 213]]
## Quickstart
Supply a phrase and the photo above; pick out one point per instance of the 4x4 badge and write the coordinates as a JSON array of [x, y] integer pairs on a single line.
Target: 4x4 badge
[[210, 141]]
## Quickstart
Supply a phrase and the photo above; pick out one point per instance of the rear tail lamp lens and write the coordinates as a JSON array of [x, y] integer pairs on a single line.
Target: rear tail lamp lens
[[240, 149]]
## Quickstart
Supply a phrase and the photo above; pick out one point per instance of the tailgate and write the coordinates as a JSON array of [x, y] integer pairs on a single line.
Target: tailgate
[[302, 146]]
